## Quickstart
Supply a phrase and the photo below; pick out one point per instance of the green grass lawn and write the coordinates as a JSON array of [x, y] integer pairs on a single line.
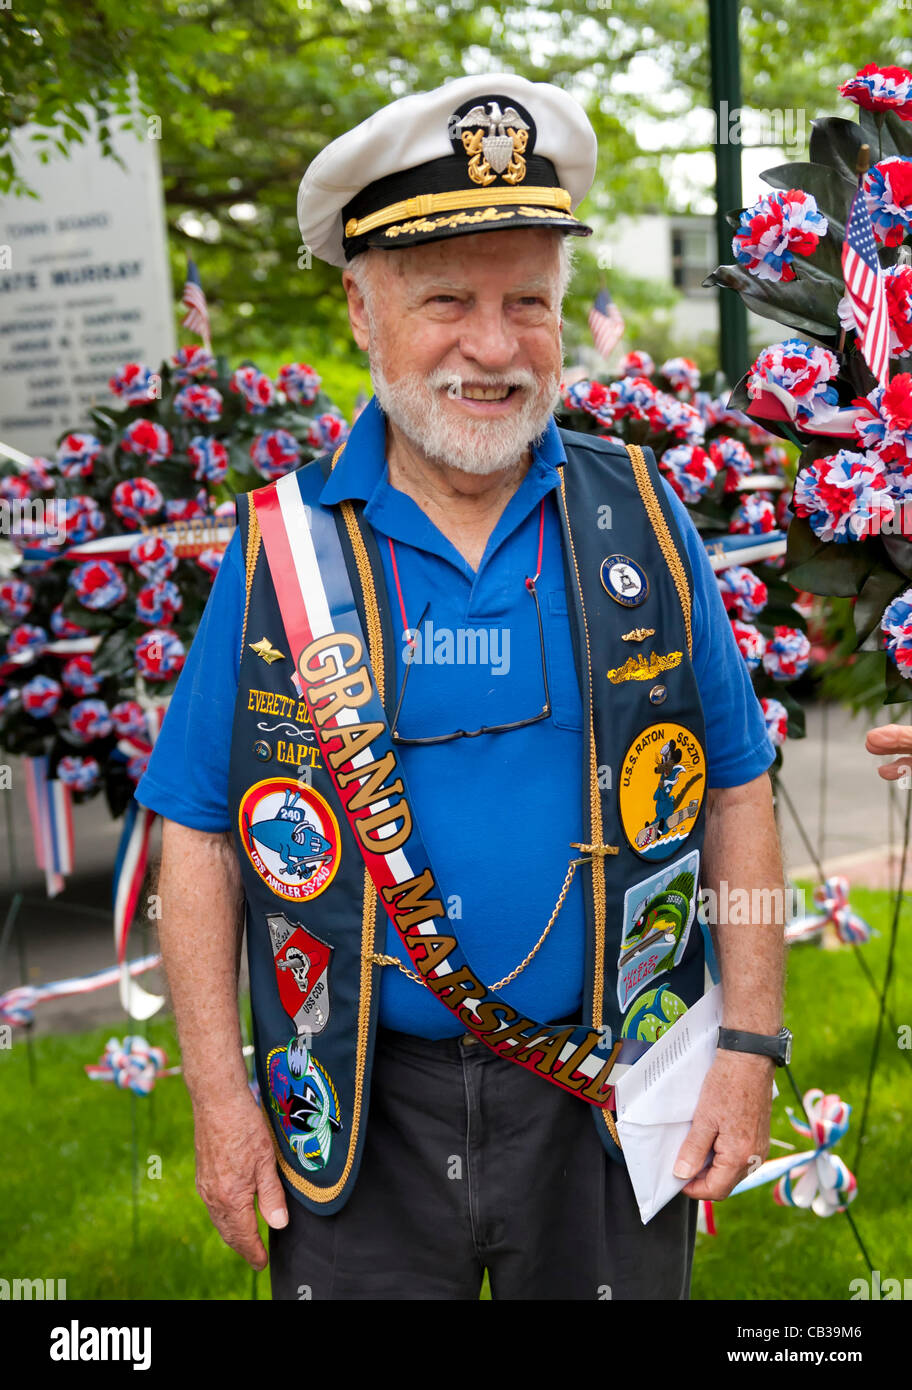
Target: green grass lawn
[[67, 1209]]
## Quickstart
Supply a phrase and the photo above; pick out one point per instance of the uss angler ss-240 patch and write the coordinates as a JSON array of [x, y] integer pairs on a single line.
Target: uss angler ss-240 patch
[[291, 837]]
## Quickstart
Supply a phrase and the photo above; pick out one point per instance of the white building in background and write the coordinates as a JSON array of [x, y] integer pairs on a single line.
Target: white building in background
[[680, 251]]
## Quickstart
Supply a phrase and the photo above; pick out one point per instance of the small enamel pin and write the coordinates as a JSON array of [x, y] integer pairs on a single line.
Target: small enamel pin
[[266, 650], [624, 580]]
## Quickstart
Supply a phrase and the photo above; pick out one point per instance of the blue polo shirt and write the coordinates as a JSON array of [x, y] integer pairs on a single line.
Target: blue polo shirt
[[498, 812]]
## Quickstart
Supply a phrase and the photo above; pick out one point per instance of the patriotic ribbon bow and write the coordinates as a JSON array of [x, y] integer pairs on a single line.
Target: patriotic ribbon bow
[[132, 1065], [832, 899], [17, 1006], [817, 1179]]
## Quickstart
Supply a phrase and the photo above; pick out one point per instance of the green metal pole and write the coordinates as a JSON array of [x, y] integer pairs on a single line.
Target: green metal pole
[[725, 84]]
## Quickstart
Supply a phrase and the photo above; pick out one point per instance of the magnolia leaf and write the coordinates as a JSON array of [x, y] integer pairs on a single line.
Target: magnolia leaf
[[900, 552], [107, 423], [114, 651], [893, 137], [873, 642], [819, 446], [800, 304], [897, 687], [739, 399], [802, 543], [879, 589], [835, 142], [838, 570], [856, 370]]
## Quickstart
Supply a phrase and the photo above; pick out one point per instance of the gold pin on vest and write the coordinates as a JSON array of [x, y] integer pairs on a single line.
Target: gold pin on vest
[[266, 650], [642, 668], [637, 634]]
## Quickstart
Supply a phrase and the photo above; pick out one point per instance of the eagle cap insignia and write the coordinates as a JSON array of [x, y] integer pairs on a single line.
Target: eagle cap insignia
[[495, 132]]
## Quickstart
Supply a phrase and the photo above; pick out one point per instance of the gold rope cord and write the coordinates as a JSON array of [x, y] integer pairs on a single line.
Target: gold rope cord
[[250, 559], [599, 892], [663, 535]]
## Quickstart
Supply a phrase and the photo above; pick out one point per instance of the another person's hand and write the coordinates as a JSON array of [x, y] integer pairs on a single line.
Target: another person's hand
[[235, 1164], [887, 739], [732, 1119]]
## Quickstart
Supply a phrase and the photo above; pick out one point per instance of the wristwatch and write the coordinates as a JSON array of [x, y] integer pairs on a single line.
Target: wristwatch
[[776, 1045]]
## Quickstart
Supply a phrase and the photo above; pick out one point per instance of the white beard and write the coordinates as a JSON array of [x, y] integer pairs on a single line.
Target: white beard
[[415, 406]]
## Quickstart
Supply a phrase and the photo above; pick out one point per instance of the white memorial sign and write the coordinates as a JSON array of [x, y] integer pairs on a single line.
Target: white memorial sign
[[84, 285]]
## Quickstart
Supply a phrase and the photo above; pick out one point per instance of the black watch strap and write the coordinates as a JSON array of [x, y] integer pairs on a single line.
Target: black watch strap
[[778, 1046]]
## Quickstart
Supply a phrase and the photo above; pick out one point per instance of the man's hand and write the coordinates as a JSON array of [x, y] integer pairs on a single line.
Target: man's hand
[[732, 1119], [235, 1163], [891, 738]]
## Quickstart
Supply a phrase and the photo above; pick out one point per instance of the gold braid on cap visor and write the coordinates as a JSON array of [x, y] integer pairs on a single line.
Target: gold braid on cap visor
[[423, 203]]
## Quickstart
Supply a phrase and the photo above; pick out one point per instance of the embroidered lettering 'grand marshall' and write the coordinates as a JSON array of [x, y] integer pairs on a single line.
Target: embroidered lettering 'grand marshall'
[[336, 683]]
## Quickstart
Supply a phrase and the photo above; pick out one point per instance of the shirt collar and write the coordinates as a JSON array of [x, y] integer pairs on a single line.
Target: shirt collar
[[362, 465]]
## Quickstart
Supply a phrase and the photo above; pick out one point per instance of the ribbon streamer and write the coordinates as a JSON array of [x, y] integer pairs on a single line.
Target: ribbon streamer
[[724, 551], [129, 873], [832, 899], [188, 540], [50, 814], [775, 403], [816, 1179], [17, 1005]]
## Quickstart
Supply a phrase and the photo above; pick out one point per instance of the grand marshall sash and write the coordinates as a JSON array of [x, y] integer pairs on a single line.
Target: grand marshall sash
[[334, 678], [328, 839]]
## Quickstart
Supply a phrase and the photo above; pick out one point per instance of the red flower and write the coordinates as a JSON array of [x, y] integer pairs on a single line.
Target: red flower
[[881, 89], [898, 285]]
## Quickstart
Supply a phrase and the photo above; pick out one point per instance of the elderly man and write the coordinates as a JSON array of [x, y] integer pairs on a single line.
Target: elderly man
[[465, 725]]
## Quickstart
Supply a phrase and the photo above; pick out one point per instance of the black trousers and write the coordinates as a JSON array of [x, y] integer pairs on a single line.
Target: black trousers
[[472, 1163]]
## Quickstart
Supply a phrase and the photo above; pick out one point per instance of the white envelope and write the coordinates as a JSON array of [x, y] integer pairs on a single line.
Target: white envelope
[[657, 1098]]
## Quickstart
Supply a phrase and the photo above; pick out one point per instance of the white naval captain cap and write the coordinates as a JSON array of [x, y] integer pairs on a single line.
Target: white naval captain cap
[[477, 154]]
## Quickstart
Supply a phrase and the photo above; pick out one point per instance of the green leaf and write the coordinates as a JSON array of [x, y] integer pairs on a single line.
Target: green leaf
[[800, 304], [879, 589], [114, 653], [897, 688], [836, 569], [836, 142], [802, 543], [899, 551], [894, 136]]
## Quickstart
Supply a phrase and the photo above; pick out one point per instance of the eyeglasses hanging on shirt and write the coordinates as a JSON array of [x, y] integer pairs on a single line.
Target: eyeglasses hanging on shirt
[[545, 711]]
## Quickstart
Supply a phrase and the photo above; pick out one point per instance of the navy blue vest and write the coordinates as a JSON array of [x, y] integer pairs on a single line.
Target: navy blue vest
[[313, 923]]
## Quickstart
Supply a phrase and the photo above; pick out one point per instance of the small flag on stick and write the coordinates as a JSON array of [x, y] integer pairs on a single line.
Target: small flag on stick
[[194, 299], [864, 284], [606, 323]]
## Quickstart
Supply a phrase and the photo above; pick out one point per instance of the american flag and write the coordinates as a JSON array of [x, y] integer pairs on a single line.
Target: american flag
[[865, 287], [606, 323], [197, 319]]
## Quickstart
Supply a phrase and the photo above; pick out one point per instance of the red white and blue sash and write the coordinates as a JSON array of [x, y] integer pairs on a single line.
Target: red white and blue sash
[[335, 680]]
